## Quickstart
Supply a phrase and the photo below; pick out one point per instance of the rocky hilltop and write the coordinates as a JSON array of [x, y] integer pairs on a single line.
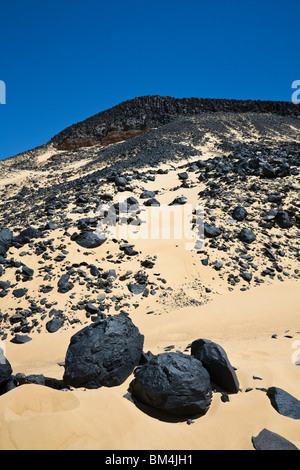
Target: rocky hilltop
[[142, 113]]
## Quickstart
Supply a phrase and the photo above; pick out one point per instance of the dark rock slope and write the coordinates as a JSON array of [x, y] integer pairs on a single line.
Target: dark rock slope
[[248, 184], [154, 111]]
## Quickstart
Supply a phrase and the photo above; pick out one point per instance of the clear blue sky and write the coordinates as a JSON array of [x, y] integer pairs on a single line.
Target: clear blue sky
[[63, 61]]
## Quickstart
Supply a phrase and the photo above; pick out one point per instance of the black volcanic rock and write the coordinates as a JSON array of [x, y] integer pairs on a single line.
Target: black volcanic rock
[[136, 288], [239, 213], [25, 236], [180, 200], [152, 202], [154, 111], [54, 325], [5, 371], [283, 220], [268, 440], [20, 339], [148, 194], [211, 231], [246, 235], [18, 293], [103, 353], [174, 383], [39, 379], [284, 403], [64, 285], [6, 237], [268, 171], [215, 360], [88, 239]]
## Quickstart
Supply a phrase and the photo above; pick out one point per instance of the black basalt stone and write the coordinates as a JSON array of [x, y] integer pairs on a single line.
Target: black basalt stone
[[103, 353], [283, 220], [64, 285], [268, 171], [215, 360], [89, 239], [284, 403], [239, 213], [5, 371], [20, 339], [148, 194], [246, 235], [18, 293], [174, 383], [211, 231], [136, 288], [26, 235], [268, 440], [152, 202], [54, 325], [6, 237]]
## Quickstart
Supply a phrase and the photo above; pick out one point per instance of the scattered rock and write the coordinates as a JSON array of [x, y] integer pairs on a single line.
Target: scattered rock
[[20, 339], [18, 293], [239, 213], [54, 325], [283, 220], [6, 237], [64, 285], [39, 379], [136, 288], [211, 231], [152, 202], [246, 235], [88, 239]]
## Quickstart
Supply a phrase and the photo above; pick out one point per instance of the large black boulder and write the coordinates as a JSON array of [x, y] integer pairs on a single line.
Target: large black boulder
[[88, 239], [6, 237], [268, 440], [175, 383], [215, 360], [103, 353], [284, 403]]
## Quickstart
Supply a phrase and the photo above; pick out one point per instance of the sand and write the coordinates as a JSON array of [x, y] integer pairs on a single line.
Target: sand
[[36, 417]]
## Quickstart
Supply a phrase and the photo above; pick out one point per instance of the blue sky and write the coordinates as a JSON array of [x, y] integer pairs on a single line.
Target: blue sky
[[63, 61]]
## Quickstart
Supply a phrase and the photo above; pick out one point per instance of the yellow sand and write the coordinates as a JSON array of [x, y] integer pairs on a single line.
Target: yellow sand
[[36, 417]]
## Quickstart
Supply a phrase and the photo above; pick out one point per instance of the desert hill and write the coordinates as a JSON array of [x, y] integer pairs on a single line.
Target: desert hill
[[239, 287]]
